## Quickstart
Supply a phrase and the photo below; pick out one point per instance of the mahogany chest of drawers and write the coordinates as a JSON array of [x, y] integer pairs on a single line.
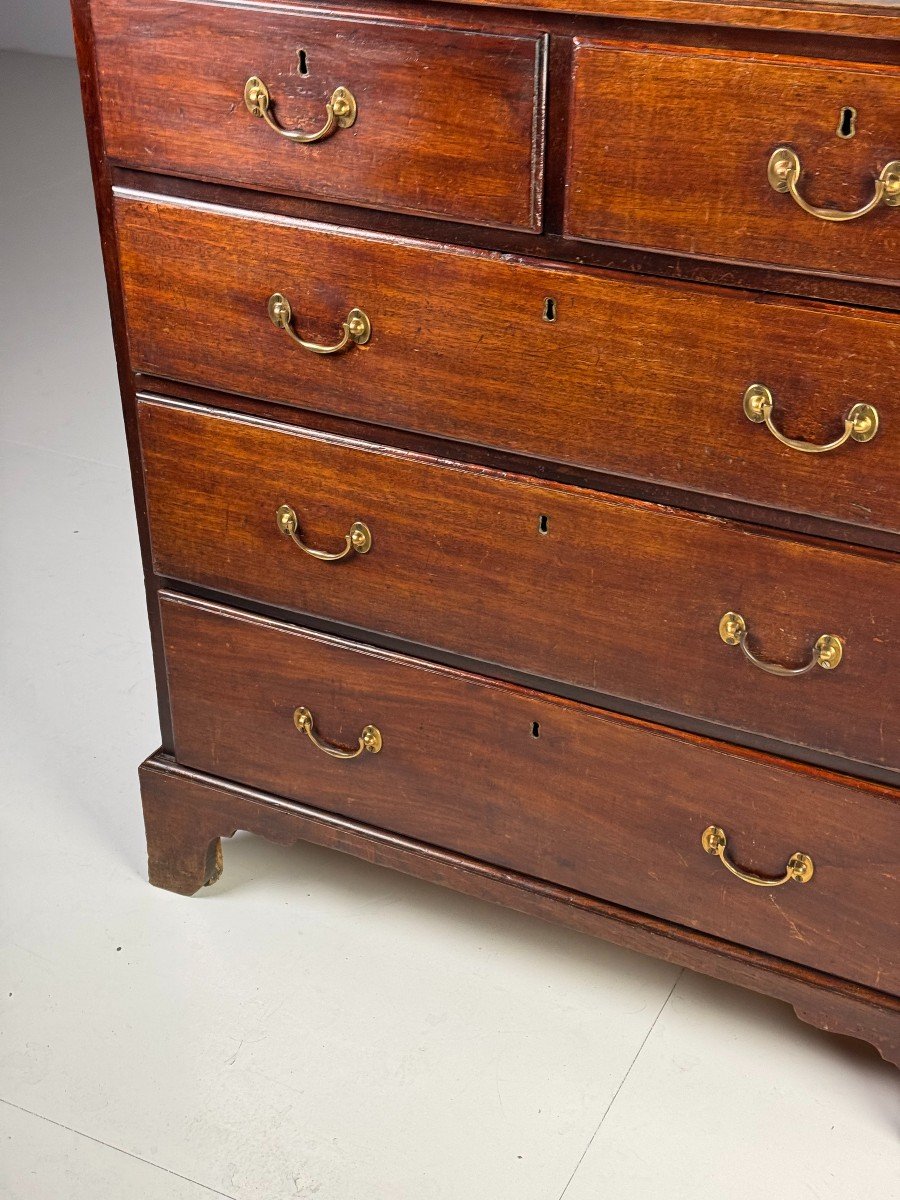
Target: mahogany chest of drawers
[[511, 396]]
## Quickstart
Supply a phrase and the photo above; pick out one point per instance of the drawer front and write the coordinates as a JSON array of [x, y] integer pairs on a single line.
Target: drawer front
[[551, 787], [618, 596], [449, 122], [639, 379], [670, 151]]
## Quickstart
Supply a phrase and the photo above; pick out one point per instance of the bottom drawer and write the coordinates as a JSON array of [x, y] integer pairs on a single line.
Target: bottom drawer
[[597, 802]]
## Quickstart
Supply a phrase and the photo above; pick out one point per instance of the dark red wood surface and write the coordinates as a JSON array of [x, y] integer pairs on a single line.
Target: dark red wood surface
[[187, 812], [436, 107], [669, 150], [82, 25], [876, 19], [631, 377], [543, 786], [617, 596]]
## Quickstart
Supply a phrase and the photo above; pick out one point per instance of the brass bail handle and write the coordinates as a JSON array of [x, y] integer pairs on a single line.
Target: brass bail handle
[[358, 540], [799, 867], [340, 112], [356, 330], [370, 740], [827, 652], [784, 176], [860, 423]]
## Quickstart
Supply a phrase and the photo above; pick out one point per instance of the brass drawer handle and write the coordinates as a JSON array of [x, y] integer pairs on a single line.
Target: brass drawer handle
[[369, 740], [827, 652], [860, 423], [359, 539], [784, 175], [799, 867], [357, 328], [340, 112]]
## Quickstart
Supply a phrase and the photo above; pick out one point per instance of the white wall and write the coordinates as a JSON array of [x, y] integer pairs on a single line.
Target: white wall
[[41, 26]]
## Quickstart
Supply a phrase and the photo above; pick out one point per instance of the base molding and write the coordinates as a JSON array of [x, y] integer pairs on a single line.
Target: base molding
[[186, 813]]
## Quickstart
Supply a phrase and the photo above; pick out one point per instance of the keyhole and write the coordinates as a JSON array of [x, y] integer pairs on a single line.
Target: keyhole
[[544, 524], [302, 64], [535, 729], [847, 124], [549, 309]]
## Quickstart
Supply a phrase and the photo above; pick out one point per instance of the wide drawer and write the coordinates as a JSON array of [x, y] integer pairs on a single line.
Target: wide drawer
[[448, 122], [618, 596], [670, 150], [640, 379], [609, 806]]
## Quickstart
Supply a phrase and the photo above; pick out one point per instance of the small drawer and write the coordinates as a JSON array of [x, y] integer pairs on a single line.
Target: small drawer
[[411, 117], [671, 150], [553, 792], [617, 596], [641, 379]]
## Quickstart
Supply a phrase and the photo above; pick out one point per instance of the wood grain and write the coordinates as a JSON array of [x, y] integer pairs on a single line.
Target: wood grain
[[635, 378], [82, 27], [550, 244], [669, 150], [186, 813], [550, 787], [617, 596], [635, 382], [876, 19], [435, 105]]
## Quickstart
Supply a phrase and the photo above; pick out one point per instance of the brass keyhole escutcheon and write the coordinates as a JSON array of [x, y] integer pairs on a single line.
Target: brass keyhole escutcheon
[[847, 122]]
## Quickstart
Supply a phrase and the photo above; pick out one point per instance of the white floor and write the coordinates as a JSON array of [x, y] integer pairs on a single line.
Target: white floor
[[312, 1026]]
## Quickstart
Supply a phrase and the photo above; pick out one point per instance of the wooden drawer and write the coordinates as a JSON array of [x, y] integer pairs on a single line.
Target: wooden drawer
[[642, 379], [432, 105], [670, 151], [550, 787], [614, 595]]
